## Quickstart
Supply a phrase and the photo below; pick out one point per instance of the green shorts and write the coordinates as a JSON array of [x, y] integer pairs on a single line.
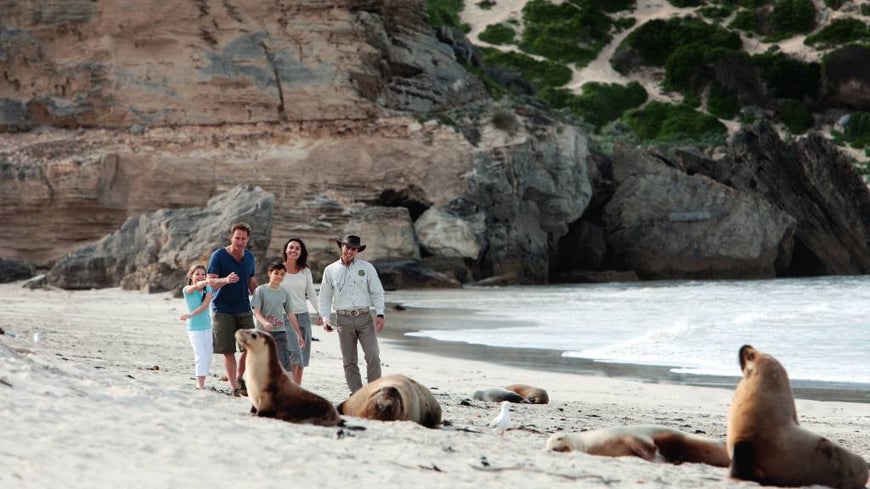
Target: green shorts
[[225, 325]]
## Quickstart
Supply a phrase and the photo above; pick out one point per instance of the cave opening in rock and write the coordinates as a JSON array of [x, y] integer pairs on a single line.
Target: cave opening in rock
[[411, 198]]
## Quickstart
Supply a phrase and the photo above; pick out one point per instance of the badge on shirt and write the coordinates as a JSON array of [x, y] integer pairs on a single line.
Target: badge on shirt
[[362, 273]]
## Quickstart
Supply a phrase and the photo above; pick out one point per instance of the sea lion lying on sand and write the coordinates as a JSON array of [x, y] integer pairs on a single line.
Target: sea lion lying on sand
[[534, 395], [394, 398], [272, 393], [649, 442], [766, 444], [499, 394]]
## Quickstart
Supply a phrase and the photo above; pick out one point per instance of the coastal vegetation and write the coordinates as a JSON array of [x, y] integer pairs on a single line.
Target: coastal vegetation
[[698, 58], [599, 103], [570, 32], [498, 34]]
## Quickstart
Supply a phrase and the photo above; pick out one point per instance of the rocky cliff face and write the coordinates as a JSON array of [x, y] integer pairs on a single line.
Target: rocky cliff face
[[324, 106], [117, 63], [354, 118]]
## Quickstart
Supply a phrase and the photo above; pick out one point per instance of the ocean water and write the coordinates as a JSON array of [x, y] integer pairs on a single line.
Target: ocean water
[[818, 328]]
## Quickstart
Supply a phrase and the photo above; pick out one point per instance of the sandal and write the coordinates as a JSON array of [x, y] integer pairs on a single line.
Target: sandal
[[236, 393], [242, 389]]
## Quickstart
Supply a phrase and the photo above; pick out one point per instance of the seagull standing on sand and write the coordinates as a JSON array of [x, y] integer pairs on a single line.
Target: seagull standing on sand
[[503, 421]]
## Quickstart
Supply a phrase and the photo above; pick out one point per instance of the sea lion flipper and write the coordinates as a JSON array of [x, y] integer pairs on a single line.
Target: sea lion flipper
[[743, 461], [340, 408], [641, 447], [253, 410]]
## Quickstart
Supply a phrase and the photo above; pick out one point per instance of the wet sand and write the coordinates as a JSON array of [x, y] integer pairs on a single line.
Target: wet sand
[[409, 320]]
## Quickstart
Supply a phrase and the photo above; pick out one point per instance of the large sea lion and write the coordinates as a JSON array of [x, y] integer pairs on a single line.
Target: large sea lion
[[534, 395], [499, 394], [394, 398], [648, 442], [272, 393], [767, 445]]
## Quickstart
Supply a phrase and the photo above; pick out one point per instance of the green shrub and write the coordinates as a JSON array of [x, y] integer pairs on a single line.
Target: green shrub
[[661, 122], [865, 9], [599, 103], [681, 66], [834, 4], [794, 16], [657, 39], [624, 23], [839, 31], [684, 3], [789, 78], [687, 68], [722, 102], [446, 13], [498, 34], [795, 116], [613, 6], [857, 130], [542, 74], [486, 4], [504, 120], [716, 11], [571, 32], [495, 90], [746, 20]]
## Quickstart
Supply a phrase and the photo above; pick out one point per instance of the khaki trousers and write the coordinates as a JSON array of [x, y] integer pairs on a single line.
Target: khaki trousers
[[350, 331]]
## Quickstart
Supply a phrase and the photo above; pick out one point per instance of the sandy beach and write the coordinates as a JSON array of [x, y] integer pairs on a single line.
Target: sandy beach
[[106, 398]]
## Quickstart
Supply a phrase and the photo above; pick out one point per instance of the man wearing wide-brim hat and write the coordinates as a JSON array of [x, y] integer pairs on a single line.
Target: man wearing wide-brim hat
[[352, 287]]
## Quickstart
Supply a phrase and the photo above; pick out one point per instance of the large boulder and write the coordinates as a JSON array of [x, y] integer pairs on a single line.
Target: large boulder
[[387, 233], [815, 183], [411, 274], [665, 224], [445, 235], [530, 186], [152, 252], [14, 270]]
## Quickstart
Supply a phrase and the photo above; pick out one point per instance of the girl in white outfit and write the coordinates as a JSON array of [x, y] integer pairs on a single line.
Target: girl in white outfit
[[197, 296]]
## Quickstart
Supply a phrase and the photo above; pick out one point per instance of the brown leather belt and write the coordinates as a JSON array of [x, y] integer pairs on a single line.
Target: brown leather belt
[[353, 312]]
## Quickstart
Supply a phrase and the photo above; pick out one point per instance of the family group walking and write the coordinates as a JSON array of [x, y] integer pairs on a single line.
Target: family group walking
[[225, 297]]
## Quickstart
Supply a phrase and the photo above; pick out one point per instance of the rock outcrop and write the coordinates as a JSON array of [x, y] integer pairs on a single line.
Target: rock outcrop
[[153, 251], [812, 181], [663, 224], [12, 270]]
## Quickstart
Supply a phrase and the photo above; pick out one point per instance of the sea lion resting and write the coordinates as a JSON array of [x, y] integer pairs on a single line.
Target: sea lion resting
[[499, 394], [534, 395], [649, 442], [272, 393], [766, 444], [394, 398]]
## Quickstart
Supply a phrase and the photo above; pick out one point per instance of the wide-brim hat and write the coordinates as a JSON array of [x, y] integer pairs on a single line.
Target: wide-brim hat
[[351, 241]]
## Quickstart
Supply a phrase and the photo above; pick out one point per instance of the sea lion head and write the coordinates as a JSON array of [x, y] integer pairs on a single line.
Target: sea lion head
[[560, 442], [754, 363], [388, 403], [746, 356], [253, 339], [765, 385]]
